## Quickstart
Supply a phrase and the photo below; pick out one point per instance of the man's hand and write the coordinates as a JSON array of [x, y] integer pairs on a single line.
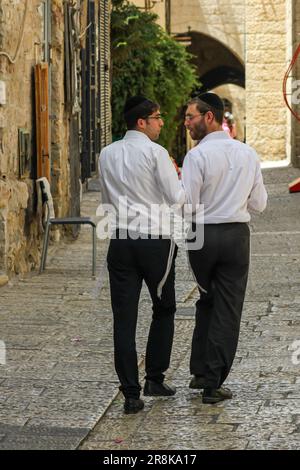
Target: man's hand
[[178, 171]]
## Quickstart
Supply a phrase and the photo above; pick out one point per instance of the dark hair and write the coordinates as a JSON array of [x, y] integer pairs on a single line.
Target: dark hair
[[138, 107], [203, 107]]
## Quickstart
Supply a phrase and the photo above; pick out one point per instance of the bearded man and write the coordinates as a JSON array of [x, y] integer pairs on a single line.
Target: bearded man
[[224, 175]]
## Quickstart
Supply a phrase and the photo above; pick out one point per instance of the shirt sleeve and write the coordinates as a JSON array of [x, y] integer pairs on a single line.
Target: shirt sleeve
[[104, 194], [167, 179], [192, 179], [257, 200]]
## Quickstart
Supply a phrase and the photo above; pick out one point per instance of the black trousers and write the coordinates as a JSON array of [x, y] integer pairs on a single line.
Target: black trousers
[[221, 268], [129, 263]]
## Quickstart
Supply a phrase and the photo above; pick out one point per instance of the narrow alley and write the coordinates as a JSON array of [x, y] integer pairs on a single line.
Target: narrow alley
[[58, 388]]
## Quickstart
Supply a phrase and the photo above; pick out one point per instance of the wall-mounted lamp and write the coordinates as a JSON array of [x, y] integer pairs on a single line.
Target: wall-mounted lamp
[[184, 40], [149, 4]]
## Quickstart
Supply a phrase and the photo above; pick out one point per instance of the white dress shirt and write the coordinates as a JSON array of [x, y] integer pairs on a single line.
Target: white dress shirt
[[143, 175], [224, 175]]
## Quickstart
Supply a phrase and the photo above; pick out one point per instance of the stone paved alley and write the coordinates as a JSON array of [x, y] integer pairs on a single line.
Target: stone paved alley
[[58, 389]]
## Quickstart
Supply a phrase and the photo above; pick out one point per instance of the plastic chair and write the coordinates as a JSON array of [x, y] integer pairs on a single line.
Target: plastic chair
[[50, 219]]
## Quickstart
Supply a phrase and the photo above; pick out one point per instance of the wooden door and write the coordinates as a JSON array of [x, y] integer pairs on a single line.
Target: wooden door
[[42, 120]]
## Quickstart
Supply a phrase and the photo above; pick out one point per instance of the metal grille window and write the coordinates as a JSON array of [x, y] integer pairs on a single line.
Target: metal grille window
[[104, 111], [95, 59], [42, 120]]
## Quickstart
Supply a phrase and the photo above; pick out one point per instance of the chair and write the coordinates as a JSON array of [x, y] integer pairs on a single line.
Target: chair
[[49, 219]]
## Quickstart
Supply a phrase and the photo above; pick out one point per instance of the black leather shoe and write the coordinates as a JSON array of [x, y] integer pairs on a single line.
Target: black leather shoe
[[133, 405], [214, 395], [197, 382], [154, 389]]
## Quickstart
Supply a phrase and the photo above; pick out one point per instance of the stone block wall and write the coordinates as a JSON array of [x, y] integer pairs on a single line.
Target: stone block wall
[[294, 12], [60, 168], [17, 76], [236, 95], [18, 227], [223, 20], [158, 8], [266, 42], [259, 33]]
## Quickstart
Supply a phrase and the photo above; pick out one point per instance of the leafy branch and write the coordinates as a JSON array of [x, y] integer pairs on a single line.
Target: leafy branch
[[146, 60]]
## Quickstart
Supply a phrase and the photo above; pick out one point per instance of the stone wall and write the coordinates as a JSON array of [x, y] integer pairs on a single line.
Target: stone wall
[[236, 95], [258, 33], [60, 168], [20, 232], [223, 21], [158, 9], [266, 113], [294, 41], [263, 35], [18, 76], [18, 229]]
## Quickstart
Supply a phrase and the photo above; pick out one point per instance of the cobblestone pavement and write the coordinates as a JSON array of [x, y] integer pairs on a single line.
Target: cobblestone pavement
[[58, 388]]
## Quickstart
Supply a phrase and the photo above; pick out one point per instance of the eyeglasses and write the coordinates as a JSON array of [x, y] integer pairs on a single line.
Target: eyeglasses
[[190, 117], [159, 116]]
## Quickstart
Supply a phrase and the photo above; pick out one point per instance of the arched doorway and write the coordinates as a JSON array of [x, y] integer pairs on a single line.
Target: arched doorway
[[220, 70], [216, 63]]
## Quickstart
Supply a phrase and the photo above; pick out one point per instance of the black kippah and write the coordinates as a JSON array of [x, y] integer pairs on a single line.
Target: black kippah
[[212, 100], [134, 103]]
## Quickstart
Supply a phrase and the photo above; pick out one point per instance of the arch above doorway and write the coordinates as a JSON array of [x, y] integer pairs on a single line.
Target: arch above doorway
[[216, 63]]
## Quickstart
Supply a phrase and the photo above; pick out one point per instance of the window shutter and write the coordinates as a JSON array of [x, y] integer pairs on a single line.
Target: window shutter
[[42, 120], [104, 73], [96, 109]]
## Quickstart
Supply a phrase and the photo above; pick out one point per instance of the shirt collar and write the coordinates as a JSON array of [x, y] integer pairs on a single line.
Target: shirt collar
[[130, 135], [216, 135]]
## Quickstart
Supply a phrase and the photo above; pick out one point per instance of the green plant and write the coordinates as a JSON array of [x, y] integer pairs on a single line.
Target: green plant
[[146, 60]]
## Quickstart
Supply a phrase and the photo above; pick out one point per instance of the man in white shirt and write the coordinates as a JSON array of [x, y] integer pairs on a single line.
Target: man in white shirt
[[137, 176], [224, 175]]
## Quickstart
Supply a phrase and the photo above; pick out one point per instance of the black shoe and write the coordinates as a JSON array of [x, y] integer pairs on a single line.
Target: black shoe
[[133, 405], [214, 395], [197, 382], [154, 389]]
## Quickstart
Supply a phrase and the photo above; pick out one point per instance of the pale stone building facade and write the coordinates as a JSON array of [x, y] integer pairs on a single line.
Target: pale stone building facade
[[16, 75], [267, 33], [72, 39], [256, 32], [243, 48], [293, 42], [159, 7]]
